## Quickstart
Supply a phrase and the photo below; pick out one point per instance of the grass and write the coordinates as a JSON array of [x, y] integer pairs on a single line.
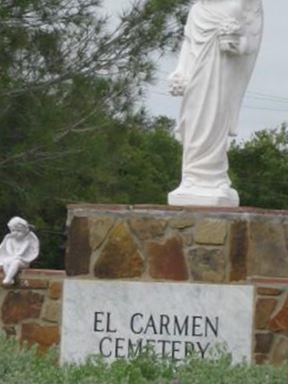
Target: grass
[[22, 365]]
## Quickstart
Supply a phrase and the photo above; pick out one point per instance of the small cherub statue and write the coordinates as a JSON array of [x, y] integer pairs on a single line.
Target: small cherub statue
[[18, 249]]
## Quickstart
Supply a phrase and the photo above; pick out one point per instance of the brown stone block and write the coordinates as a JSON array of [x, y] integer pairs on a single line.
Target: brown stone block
[[182, 221], [207, 265], [263, 342], [147, 228], [155, 207], [280, 321], [55, 290], [267, 291], [261, 358], [99, 228], [166, 261], [44, 336], [10, 331], [238, 251], [267, 253], [51, 311], [21, 305], [285, 226], [188, 237], [42, 273], [77, 261], [264, 310], [279, 353], [211, 231], [120, 257], [277, 281], [33, 283]]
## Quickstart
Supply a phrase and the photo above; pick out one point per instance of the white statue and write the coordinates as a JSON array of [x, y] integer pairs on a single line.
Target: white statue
[[18, 249], [222, 40]]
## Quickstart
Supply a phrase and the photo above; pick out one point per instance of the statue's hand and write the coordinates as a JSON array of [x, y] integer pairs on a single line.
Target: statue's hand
[[230, 47], [177, 84], [230, 36], [234, 47]]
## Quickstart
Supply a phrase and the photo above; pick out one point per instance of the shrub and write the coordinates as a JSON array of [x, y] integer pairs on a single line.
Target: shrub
[[20, 364]]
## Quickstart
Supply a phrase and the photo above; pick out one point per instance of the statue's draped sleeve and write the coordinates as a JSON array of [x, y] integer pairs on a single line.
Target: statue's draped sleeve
[[179, 79]]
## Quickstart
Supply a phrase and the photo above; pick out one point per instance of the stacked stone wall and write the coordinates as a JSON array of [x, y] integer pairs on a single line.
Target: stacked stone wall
[[140, 243], [224, 246], [31, 309], [271, 321], [158, 243]]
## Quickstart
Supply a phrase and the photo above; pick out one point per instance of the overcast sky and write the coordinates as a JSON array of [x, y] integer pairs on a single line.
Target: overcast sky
[[266, 102]]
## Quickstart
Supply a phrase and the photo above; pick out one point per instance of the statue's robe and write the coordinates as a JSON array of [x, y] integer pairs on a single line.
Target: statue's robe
[[216, 85]]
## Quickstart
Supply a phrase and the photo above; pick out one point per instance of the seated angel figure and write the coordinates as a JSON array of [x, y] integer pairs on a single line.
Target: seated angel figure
[[18, 249]]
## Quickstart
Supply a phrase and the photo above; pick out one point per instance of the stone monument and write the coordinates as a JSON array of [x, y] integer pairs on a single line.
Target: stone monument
[[18, 249], [182, 279], [221, 44], [119, 319]]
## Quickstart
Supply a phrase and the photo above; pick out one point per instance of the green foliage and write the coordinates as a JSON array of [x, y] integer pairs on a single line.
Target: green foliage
[[72, 128], [23, 365], [122, 162], [259, 169]]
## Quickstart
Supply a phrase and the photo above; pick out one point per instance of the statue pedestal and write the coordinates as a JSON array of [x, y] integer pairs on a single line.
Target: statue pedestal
[[205, 197], [197, 244], [159, 247]]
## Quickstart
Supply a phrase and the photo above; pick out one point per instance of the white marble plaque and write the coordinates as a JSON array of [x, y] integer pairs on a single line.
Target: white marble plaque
[[119, 319]]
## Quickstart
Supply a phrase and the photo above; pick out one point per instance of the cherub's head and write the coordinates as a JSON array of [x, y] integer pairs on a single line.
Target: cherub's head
[[18, 227]]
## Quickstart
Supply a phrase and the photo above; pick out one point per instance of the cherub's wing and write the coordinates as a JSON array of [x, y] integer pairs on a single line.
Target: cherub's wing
[[3, 251], [32, 251]]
